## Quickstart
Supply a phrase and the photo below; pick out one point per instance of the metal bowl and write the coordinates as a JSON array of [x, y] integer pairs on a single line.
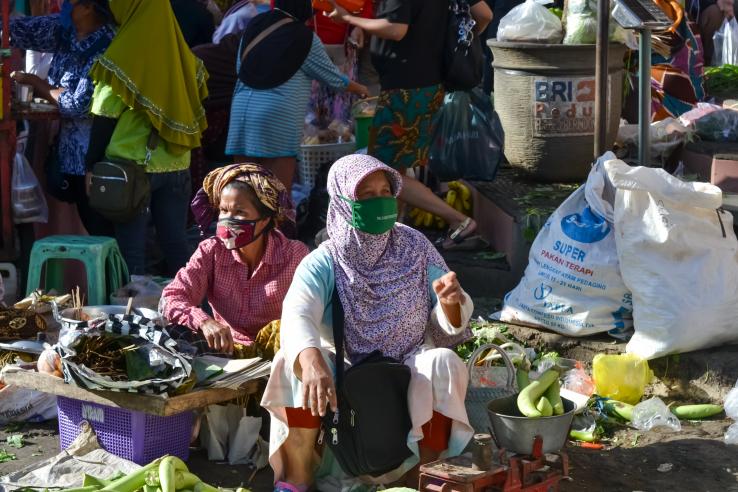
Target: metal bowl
[[516, 433]]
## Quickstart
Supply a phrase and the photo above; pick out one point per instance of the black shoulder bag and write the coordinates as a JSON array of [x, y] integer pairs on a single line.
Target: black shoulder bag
[[463, 60], [368, 434], [120, 188]]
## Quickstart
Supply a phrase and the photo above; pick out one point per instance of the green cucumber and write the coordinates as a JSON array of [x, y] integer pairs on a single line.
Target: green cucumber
[[521, 376], [528, 397], [544, 406], [554, 397], [618, 409], [697, 412]]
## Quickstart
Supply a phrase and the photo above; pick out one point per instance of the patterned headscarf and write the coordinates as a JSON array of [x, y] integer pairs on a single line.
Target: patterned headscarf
[[268, 189], [382, 279]]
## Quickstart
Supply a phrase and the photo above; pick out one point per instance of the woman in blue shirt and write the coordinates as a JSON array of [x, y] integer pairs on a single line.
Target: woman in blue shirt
[[76, 37]]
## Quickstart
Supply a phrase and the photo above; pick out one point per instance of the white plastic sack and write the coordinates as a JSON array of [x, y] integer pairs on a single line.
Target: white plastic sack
[[679, 257], [229, 434], [25, 405], [531, 22], [572, 284], [726, 43], [214, 433], [29, 203]]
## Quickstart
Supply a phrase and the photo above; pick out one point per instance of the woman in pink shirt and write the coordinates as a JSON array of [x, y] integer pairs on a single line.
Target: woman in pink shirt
[[245, 271]]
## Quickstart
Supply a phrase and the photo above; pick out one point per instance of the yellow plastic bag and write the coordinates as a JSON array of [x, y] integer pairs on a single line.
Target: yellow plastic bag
[[621, 377]]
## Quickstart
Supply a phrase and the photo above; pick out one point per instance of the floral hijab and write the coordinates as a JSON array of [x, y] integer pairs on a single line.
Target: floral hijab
[[382, 279]]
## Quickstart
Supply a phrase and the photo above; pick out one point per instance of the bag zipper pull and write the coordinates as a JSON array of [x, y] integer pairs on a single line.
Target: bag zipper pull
[[321, 435], [334, 431], [335, 418], [352, 417]]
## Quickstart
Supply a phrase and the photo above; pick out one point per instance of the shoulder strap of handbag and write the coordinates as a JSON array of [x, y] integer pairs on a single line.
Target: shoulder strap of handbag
[[263, 34], [338, 325]]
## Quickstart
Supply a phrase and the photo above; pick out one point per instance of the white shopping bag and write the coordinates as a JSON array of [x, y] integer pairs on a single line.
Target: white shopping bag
[[25, 405], [572, 284], [679, 256], [214, 433]]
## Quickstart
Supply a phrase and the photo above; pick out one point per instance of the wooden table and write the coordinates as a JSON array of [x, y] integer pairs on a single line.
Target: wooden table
[[151, 404]]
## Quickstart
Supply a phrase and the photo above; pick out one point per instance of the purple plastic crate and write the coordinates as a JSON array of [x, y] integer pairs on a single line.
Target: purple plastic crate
[[135, 436]]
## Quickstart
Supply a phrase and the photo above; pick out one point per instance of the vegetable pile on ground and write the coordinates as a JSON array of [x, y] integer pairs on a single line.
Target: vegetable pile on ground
[[167, 474], [722, 81]]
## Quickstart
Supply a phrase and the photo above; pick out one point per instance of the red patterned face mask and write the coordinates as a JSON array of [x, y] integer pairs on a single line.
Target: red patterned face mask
[[237, 233]]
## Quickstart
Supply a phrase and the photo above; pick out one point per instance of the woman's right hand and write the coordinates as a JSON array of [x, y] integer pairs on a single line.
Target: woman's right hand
[[219, 337], [317, 382], [357, 88]]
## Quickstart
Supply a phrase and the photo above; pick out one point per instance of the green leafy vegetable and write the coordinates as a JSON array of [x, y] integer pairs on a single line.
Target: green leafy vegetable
[[15, 441], [5, 456]]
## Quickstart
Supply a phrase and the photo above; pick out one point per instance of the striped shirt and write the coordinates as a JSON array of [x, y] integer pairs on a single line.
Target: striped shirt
[[269, 123]]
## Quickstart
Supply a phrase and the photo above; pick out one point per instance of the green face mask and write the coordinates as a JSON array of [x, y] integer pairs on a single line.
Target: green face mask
[[373, 215]]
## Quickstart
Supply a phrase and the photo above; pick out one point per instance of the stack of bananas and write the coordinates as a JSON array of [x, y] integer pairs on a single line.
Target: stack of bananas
[[458, 197]]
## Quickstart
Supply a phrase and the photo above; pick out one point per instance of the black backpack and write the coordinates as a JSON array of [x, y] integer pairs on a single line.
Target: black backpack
[[463, 60], [368, 434]]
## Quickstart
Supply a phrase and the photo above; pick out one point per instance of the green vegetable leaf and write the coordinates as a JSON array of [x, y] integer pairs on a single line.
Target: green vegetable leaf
[[5, 456], [15, 441]]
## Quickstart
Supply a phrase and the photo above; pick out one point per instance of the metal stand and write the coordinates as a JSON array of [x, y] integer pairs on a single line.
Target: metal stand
[[644, 97], [602, 73]]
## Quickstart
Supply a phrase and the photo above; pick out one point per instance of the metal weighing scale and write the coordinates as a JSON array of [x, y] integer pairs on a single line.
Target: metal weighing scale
[[643, 16]]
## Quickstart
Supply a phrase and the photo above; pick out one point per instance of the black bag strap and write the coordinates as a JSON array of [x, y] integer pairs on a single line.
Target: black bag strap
[[338, 327]]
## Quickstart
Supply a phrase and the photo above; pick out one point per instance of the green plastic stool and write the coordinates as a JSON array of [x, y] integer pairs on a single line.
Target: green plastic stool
[[106, 270]]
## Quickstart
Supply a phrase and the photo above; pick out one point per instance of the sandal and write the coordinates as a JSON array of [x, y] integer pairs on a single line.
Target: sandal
[[455, 241], [288, 487]]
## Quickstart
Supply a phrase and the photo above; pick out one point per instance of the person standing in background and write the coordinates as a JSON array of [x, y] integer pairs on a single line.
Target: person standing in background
[[195, 21], [712, 14], [275, 78], [76, 38], [147, 108], [407, 51]]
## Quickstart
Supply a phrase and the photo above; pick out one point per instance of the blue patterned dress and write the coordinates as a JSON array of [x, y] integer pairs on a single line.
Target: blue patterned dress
[[69, 70]]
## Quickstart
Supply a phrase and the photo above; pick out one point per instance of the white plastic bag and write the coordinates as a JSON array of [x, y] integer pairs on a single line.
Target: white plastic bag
[[214, 433], [25, 405], [679, 257], [572, 284], [531, 22], [653, 413], [29, 203], [731, 403], [243, 435], [725, 40]]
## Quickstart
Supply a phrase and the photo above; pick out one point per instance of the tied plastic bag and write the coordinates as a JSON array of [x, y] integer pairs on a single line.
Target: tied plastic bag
[[667, 136], [531, 22], [654, 413], [621, 377], [578, 381], [29, 203], [718, 126], [572, 284], [581, 22], [679, 257], [725, 40], [468, 138]]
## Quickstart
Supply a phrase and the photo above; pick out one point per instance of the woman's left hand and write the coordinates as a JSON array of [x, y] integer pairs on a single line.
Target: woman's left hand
[[448, 290], [26, 78]]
